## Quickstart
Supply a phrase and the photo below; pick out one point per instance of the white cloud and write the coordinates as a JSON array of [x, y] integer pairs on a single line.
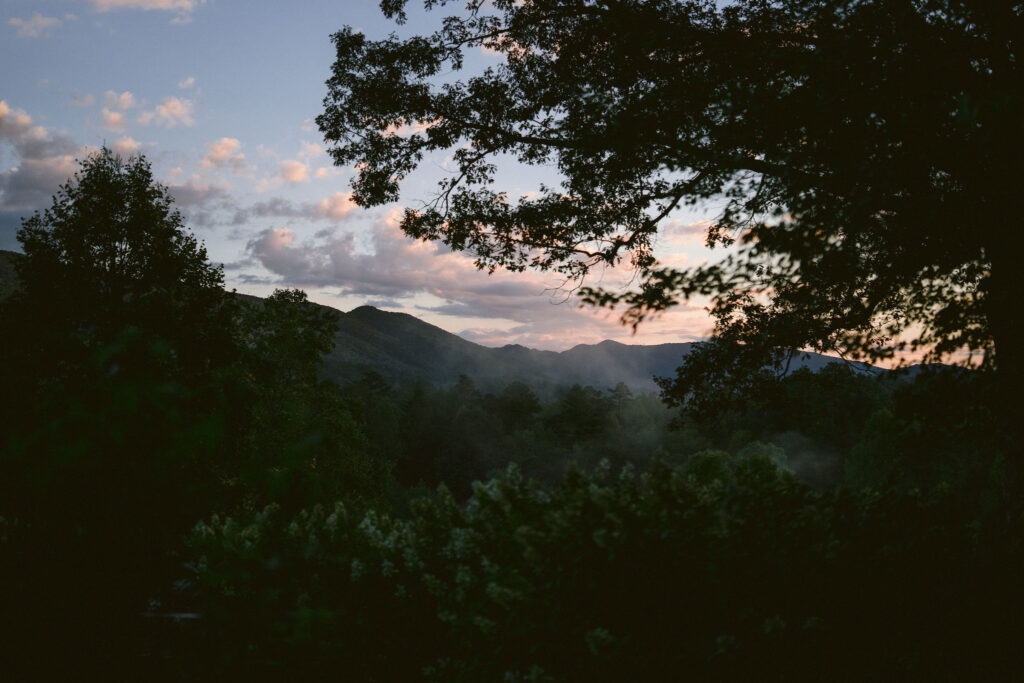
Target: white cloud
[[169, 113], [182, 8], [294, 171], [224, 153], [122, 101], [35, 26], [322, 172], [187, 83], [126, 147]]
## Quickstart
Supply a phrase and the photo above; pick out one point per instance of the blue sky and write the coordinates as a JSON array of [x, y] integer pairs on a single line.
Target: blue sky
[[220, 95]]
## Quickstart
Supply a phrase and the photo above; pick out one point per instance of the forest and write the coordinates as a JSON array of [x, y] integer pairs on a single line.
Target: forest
[[186, 494], [186, 497]]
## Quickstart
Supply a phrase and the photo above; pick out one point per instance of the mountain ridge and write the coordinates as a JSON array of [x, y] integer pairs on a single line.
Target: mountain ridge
[[404, 349]]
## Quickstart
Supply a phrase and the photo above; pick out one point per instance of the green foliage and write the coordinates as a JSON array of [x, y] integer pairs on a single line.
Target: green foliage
[[115, 365], [724, 569], [299, 441], [141, 396]]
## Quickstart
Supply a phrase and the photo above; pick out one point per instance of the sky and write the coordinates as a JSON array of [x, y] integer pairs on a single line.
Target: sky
[[220, 96]]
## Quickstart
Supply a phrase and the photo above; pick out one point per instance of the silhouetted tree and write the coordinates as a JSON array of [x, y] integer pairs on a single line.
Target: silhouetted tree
[[859, 151], [117, 348]]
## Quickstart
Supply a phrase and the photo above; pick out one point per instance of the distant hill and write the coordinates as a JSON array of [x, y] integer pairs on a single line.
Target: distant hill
[[404, 349]]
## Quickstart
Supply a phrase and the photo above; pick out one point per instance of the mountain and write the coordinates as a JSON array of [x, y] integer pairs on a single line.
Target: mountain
[[404, 349]]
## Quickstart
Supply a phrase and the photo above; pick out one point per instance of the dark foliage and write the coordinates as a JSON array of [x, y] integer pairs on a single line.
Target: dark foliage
[[727, 569], [138, 397], [859, 153]]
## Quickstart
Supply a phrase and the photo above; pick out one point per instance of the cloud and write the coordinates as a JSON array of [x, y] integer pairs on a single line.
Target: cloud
[[407, 129], [45, 160], [122, 101], [169, 113], [126, 147], [13, 123], [678, 232], [294, 171], [112, 120], [310, 150], [337, 206], [35, 26], [224, 153], [199, 201], [527, 308], [187, 83], [322, 172], [182, 8], [195, 193], [398, 266], [82, 100]]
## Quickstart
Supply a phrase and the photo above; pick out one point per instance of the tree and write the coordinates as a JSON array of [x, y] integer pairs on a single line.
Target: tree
[[111, 254], [116, 347], [860, 152], [300, 440]]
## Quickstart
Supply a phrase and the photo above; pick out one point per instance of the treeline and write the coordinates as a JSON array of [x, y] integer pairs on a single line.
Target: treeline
[[458, 434], [838, 427], [182, 497]]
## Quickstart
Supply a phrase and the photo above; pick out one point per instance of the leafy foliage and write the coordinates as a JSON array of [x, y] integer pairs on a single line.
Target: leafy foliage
[[140, 396], [725, 569], [857, 151]]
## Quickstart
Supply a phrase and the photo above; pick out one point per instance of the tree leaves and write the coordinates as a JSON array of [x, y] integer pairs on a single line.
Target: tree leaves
[[854, 148]]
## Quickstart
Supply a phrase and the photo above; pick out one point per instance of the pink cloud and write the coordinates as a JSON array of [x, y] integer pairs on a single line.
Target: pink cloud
[[169, 113], [678, 232], [112, 120], [224, 153], [294, 171], [126, 147], [532, 308], [337, 206], [45, 160]]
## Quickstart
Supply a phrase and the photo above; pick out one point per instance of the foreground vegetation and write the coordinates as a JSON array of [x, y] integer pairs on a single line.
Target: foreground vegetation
[[182, 497]]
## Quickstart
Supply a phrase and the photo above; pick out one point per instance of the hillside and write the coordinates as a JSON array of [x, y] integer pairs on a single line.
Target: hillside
[[403, 349]]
